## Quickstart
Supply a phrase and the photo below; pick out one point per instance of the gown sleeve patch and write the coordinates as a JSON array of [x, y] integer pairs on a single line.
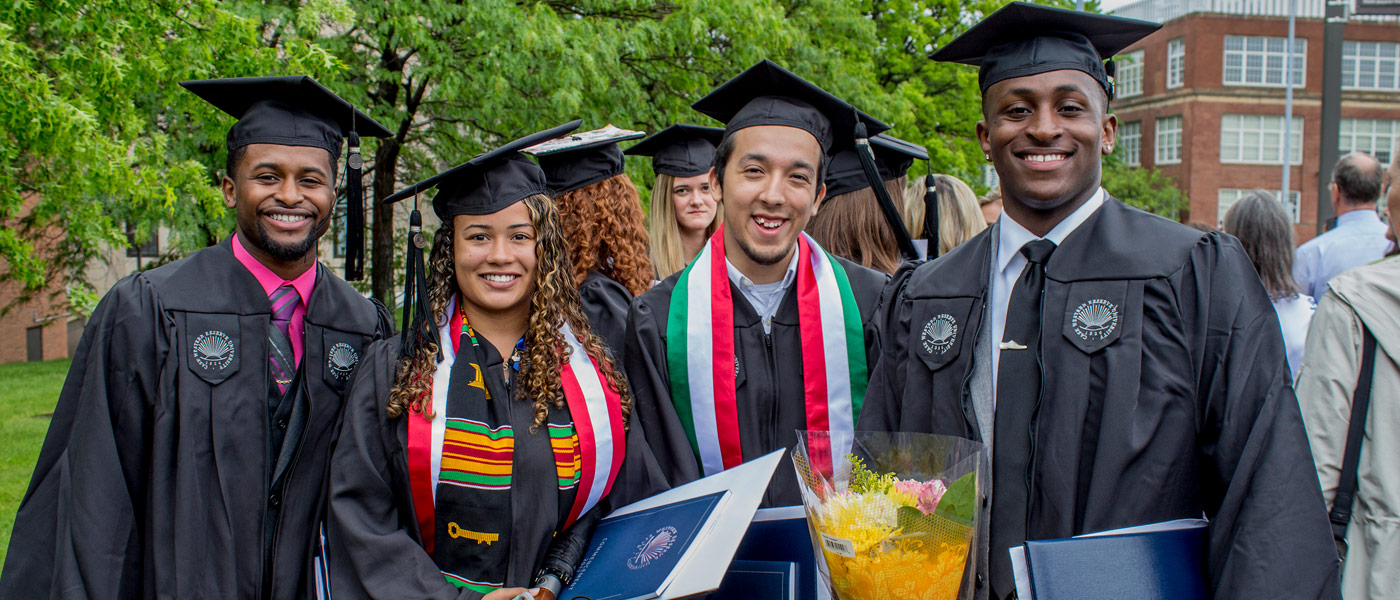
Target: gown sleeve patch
[[213, 347], [939, 330], [1094, 314]]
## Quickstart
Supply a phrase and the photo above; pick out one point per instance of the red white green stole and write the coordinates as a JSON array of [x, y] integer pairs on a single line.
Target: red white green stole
[[700, 351], [463, 459]]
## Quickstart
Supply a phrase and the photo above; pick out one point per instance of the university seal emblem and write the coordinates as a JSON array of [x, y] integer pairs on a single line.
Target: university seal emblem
[[213, 350], [939, 334], [1095, 319], [341, 360], [654, 547]]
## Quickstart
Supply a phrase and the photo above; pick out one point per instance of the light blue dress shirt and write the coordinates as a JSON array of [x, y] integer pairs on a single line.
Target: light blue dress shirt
[[1359, 239]]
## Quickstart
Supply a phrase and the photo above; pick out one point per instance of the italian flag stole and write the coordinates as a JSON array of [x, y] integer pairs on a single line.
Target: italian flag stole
[[700, 355], [474, 458]]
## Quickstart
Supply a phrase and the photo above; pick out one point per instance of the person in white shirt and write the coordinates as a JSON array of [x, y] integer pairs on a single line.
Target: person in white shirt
[[1359, 237]]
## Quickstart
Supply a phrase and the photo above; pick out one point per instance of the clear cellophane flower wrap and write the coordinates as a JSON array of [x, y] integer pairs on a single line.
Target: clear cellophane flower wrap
[[894, 515]]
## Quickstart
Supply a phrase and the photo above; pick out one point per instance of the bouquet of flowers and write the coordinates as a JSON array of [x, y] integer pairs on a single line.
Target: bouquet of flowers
[[894, 514]]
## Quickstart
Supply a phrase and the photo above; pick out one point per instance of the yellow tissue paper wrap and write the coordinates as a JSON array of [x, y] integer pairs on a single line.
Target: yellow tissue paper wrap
[[893, 514]]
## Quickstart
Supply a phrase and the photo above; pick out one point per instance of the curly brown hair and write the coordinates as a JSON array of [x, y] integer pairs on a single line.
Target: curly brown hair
[[606, 232], [554, 302]]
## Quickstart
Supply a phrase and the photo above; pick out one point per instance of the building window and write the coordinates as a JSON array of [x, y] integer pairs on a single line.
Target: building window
[[148, 248], [1376, 137], [1258, 140], [1129, 146], [1129, 78], [338, 229], [1371, 66], [1168, 140], [1176, 63], [1259, 61], [1228, 197], [990, 179]]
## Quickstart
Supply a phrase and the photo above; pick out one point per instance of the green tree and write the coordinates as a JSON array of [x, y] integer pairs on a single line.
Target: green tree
[[1143, 187], [96, 134]]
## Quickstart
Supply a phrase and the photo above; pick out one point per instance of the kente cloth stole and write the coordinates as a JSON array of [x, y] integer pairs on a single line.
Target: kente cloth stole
[[700, 352], [461, 462]]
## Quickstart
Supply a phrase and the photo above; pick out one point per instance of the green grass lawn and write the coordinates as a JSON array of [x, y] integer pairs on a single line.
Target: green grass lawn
[[28, 392]]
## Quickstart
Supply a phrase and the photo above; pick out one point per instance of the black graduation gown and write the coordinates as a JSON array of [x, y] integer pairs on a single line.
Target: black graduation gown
[[606, 302], [1170, 399], [154, 478], [374, 545], [768, 382]]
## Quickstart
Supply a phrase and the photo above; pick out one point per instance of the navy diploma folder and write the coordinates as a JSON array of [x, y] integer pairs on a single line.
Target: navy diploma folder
[[636, 555], [781, 534], [758, 580], [1155, 565]]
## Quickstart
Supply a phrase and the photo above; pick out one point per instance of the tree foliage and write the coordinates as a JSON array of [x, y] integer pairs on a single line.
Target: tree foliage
[[97, 132]]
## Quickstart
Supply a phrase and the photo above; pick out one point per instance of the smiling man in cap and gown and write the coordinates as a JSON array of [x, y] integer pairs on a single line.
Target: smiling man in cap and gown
[[1124, 369], [188, 450], [764, 333]]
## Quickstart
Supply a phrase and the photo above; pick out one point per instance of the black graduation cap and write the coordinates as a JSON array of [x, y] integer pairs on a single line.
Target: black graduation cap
[[893, 157], [298, 111], [581, 159], [680, 150], [767, 94], [488, 182], [1024, 39]]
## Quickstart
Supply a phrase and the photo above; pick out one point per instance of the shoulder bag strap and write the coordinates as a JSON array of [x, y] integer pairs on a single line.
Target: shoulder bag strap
[[1360, 401]]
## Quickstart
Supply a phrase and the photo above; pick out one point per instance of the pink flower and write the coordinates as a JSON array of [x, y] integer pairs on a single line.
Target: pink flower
[[926, 493]]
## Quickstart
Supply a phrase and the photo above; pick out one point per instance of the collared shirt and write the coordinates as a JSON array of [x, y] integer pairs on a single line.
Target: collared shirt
[[270, 281], [764, 297], [1358, 239], [1008, 264]]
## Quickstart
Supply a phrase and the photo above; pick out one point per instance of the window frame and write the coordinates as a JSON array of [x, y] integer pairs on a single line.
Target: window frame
[[1157, 136], [1245, 54]]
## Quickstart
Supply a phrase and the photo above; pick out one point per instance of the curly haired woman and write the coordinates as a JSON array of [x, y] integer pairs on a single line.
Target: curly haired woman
[[684, 213], [477, 454], [603, 225]]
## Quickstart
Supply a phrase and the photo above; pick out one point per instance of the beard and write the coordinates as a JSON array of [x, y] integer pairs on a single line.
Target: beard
[[294, 251], [762, 257]]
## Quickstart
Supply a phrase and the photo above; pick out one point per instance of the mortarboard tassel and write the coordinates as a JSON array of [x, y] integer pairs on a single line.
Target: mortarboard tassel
[[931, 216], [1110, 70], [354, 212], [867, 163], [419, 330]]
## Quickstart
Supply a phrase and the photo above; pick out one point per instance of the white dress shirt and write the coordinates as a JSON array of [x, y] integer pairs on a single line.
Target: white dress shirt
[[764, 297], [1008, 262]]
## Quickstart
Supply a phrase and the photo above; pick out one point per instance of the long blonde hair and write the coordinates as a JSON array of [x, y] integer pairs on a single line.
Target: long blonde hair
[[959, 215], [852, 226], [554, 302], [667, 251]]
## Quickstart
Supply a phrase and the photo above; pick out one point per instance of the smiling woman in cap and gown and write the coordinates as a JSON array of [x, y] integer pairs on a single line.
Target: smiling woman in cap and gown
[[478, 452], [187, 454], [603, 224], [684, 210], [791, 319], [1123, 368]]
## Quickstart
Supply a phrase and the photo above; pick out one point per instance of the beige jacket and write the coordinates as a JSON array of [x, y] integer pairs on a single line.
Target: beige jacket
[[1331, 364]]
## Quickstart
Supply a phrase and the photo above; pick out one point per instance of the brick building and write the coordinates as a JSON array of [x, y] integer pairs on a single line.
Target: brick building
[[1202, 100]]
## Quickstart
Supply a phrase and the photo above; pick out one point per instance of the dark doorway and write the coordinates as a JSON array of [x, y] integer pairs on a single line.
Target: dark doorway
[[34, 338]]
